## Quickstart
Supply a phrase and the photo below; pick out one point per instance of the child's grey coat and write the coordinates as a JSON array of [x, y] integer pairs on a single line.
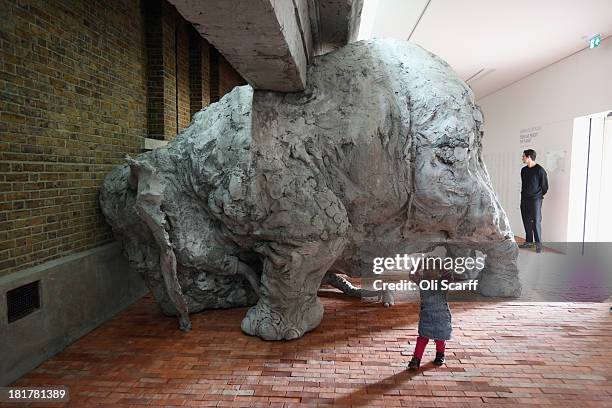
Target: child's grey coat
[[435, 316]]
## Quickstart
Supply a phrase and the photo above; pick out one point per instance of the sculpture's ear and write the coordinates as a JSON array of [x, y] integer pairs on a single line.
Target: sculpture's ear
[[478, 116], [132, 177]]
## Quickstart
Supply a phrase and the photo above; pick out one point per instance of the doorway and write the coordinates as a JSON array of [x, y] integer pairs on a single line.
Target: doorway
[[590, 203]]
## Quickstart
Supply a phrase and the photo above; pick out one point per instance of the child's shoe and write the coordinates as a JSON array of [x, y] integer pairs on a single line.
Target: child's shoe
[[439, 360], [414, 364]]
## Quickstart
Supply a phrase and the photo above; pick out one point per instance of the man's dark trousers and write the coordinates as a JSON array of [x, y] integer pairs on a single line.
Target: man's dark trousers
[[531, 211]]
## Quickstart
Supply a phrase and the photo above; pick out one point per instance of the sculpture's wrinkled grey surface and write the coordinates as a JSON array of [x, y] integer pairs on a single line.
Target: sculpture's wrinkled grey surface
[[266, 192]]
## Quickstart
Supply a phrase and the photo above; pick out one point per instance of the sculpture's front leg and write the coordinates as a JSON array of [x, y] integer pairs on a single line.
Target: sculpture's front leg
[[500, 274], [288, 305]]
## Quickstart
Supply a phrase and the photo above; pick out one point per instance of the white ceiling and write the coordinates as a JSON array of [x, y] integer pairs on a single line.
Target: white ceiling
[[504, 39]]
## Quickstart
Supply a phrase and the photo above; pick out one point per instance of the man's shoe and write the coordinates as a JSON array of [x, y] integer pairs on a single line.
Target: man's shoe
[[439, 360], [526, 245], [414, 364], [538, 248]]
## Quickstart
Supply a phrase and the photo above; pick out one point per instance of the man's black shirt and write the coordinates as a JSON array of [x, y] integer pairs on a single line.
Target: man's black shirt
[[535, 182]]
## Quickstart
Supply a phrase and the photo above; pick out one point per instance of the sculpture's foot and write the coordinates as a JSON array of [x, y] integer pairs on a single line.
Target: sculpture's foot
[[184, 323], [277, 324], [387, 298], [500, 277], [499, 285], [288, 305]]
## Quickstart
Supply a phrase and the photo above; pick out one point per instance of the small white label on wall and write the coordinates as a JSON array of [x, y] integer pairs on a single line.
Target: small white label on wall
[[526, 136]]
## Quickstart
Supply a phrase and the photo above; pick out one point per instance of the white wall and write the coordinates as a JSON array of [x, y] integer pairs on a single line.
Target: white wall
[[544, 105]]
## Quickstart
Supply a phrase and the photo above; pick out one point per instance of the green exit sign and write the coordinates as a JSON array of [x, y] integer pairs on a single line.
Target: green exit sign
[[595, 41]]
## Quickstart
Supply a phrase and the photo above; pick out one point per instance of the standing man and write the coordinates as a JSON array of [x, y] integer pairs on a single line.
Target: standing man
[[534, 187]]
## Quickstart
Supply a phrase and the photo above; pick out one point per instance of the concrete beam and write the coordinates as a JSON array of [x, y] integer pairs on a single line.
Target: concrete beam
[[266, 41], [271, 42], [335, 23]]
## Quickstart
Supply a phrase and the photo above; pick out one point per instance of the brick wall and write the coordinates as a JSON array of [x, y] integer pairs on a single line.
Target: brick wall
[[228, 77], [206, 76], [169, 17], [213, 58], [199, 72], [73, 104], [155, 69], [82, 83], [182, 79]]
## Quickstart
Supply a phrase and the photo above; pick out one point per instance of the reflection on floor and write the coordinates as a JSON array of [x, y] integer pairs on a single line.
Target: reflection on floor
[[510, 353], [571, 275]]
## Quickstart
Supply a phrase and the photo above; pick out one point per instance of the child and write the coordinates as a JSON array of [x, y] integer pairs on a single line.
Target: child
[[434, 321]]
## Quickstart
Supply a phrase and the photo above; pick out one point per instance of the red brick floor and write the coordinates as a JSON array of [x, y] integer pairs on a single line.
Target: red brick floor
[[503, 354]]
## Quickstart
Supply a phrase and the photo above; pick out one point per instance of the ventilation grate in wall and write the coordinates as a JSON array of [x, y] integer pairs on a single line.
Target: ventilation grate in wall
[[22, 301]]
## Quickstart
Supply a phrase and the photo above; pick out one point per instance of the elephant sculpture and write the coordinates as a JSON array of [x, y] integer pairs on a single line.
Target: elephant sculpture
[[267, 194]]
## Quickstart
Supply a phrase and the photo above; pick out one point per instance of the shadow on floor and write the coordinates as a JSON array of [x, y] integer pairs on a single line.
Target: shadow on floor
[[363, 397]]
